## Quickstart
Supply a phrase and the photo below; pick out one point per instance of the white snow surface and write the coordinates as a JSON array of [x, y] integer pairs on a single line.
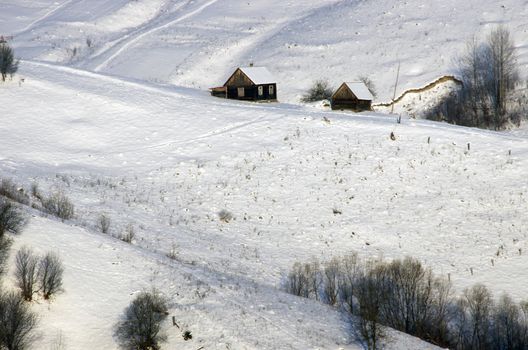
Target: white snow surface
[[166, 160], [360, 90], [258, 75], [115, 123], [198, 43]]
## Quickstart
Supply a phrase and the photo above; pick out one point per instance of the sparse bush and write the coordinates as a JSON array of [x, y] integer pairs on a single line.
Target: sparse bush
[[129, 234], [50, 272], [10, 190], [17, 323], [59, 205], [173, 253], [320, 90], [225, 216], [11, 218], [103, 223], [8, 63], [26, 272], [140, 328]]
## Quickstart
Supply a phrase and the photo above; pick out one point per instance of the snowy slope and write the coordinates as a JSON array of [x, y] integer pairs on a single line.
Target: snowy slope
[[198, 43], [109, 113], [166, 160]]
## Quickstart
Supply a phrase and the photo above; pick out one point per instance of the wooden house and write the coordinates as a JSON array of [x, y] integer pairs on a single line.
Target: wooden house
[[248, 83], [352, 95]]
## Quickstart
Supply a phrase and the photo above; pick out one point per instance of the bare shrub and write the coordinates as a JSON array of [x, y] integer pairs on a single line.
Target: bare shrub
[[11, 218], [225, 215], [319, 91], [17, 323], [129, 234], [10, 190], [103, 223], [26, 272], [50, 273], [173, 253], [59, 205], [140, 328]]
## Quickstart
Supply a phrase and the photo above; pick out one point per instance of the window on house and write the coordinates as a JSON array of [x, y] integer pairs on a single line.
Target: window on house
[[271, 90], [261, 90], [241, 92]]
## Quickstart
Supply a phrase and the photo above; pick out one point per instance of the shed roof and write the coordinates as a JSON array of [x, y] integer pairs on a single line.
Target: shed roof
[[258, 75], [360, 90]]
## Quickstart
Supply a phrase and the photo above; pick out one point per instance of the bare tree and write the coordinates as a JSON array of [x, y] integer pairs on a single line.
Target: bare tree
[[11, 218], [50, 272], [370, 294], [504, 69], [26, 272], [5, 246], [479, 304], [140, 328], [349, 272], [17, 323], [296, 283], [8, 63], [331, 281], [489, 72], [509, 325]]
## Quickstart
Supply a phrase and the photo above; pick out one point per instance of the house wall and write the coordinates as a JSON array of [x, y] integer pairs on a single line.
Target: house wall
[[352, 104], [251, 92]]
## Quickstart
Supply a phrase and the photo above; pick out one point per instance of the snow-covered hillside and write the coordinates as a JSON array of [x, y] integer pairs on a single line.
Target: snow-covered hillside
[[166, 160], [198, 43], [113, 110]]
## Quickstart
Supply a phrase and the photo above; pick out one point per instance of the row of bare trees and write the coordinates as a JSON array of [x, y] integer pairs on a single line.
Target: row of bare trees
[[487, 98], [32, 274], [404, 295]]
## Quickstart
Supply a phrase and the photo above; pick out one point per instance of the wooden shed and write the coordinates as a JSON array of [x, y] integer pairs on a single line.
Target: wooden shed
[[248, 83], [352, 95]]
